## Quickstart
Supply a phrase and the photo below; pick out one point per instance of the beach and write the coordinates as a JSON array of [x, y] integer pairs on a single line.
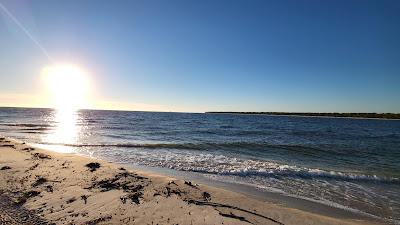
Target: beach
[[65, 188], [200, 112]]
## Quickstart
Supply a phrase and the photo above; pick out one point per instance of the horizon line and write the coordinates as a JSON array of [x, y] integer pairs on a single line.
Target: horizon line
[[215, 112]]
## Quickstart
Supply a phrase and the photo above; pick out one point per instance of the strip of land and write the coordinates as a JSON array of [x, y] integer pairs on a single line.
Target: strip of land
[[394, 116], [43, 187]]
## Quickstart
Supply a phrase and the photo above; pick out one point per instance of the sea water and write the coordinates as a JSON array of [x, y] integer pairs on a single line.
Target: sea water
[[347, 163]]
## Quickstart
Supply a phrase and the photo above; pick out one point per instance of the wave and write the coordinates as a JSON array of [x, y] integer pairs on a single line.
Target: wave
[[389, 136], [26, 125], [196, 146], [32, 132], [35, 129], [293, 172], [331, 202], [211, 163], [170, 155], [306, 173]]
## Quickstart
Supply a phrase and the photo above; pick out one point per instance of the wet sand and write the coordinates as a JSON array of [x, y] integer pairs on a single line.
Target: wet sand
[[55, 188]]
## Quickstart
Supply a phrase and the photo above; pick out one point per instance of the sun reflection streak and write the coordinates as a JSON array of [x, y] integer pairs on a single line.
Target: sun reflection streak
[[67, 87], [66, 131]]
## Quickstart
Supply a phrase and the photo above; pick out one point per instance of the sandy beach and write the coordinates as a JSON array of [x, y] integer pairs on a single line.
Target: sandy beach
[[38, 186]]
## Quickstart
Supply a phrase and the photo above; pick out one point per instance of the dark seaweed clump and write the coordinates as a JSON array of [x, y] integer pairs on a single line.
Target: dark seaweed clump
[[39, 181], [130, 183], [93, 166]]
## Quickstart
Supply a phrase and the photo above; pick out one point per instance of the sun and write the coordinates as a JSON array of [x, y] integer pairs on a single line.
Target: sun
[[67, 86]]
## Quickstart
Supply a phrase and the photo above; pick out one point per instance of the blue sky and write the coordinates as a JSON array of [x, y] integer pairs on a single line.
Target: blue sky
[[320, 56]]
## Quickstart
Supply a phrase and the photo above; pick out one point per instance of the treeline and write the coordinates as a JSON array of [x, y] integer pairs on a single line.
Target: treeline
[[334, 114]]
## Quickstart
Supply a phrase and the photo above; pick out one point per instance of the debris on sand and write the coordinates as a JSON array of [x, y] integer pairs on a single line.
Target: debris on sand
[[25, 196], [39, 181], [5, 168], [125, 181], [84, 198], [31, 194], [172, 182], [33, 167], [98, 220], [170, 191], [130, 183], [49, 188], [71, 200], [189, 183], [134, 197], [206, 196], [28, 149], [233, 216], [93, 166], [11, 146], [39, 155], [107, 185]]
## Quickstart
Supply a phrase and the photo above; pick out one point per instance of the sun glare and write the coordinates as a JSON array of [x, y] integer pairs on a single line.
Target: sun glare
[[67, 87]]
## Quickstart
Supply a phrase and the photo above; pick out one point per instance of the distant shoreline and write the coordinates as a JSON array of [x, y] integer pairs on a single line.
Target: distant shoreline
[[377, 116], [385, 116]]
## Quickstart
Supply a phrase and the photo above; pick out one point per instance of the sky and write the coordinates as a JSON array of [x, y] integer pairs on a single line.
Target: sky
[[209, 55]]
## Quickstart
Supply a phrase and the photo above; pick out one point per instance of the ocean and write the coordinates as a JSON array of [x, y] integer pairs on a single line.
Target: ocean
[[352, 164]]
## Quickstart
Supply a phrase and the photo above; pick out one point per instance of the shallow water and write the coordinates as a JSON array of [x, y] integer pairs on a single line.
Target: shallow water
[[347, 163]]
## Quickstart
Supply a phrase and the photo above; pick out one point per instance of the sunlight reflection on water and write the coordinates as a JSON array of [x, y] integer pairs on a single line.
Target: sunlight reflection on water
[[66, 131]]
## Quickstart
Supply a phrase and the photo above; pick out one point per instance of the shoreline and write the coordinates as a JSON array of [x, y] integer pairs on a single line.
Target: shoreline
[[290, 201], [304, 116], [131, 196]]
